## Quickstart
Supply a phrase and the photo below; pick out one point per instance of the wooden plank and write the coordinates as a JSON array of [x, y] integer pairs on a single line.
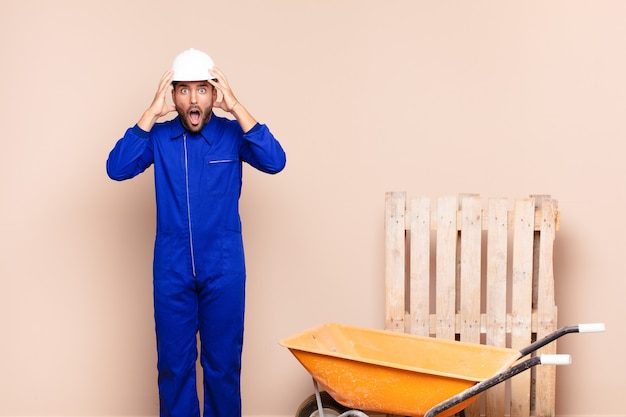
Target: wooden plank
[[394, 261], [521, 305], [419, 270], [497, 255], [483, 322], [469, 285], [545, 390], [496, 314], [446, 267], [485, 225]]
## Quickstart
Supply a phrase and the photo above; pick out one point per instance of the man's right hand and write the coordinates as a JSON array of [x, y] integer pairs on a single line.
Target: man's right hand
[[159, 106]]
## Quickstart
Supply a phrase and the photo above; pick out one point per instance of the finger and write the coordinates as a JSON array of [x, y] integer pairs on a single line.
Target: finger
[[217, 71], [166, 79], [219, 75], [215, 83], [167, 75]]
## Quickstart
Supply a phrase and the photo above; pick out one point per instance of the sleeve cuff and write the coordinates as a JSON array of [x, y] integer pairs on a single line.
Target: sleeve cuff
[[140, 132], [255, 128]]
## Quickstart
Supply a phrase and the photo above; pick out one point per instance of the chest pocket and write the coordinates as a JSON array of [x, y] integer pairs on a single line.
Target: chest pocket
[[221, 175]]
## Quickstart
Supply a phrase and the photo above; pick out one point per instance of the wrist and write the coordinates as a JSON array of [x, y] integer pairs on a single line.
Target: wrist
[[147, 120]]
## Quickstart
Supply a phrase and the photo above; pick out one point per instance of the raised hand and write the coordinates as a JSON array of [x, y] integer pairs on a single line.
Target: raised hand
[[228, 102], [159, 107]]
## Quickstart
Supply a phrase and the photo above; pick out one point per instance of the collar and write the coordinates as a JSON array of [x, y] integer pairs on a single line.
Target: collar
[[207, 131]]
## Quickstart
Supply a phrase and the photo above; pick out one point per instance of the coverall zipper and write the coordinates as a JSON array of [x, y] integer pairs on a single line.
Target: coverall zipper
[[193, 261]]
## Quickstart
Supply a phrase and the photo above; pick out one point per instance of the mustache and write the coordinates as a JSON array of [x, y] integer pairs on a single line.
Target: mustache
[[191, 108]]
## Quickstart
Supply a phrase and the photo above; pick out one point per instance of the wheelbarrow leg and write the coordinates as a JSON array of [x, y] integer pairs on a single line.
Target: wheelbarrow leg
[[318, 397]]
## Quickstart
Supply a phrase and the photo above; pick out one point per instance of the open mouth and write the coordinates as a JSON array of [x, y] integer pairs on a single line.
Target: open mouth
[[195, 116]]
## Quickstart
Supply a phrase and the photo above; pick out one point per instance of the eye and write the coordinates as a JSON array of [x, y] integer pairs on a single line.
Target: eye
[[184, 90], [202, 90]]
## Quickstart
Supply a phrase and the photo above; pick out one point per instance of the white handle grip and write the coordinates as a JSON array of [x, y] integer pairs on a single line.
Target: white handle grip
[[591, 327], [556, 359]]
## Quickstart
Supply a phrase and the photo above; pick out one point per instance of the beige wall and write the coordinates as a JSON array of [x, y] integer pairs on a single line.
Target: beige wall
[[433, 97]]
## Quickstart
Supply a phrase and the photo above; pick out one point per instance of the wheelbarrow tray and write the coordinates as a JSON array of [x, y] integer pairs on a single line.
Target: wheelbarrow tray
[[394, 373]]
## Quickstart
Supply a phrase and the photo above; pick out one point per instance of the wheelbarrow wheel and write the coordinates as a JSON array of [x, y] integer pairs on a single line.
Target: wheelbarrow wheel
[[332, 408]]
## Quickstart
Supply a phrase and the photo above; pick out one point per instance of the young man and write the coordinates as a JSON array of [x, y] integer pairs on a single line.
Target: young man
[[199, 270]]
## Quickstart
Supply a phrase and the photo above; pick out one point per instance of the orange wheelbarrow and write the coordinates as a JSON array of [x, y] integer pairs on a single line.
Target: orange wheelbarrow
[[366, 370]]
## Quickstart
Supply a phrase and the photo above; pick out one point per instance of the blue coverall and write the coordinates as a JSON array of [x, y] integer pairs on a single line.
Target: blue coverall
[[199, 270]]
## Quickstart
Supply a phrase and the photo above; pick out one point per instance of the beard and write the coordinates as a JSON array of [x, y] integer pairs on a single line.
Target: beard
[[194, 118]]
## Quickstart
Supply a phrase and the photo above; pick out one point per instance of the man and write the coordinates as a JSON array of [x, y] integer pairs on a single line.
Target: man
[[199, 270]]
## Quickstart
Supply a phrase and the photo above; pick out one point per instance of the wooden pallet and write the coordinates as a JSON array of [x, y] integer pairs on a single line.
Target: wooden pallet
[[478, 271]]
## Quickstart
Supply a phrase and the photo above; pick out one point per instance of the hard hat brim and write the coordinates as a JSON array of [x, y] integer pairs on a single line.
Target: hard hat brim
[[192, 78]]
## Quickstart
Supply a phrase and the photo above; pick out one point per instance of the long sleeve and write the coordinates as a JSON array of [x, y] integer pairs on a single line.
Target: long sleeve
[[131, 155], [262, 151]]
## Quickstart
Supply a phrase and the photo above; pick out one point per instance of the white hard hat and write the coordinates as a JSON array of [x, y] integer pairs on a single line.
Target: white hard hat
[[192, 65]]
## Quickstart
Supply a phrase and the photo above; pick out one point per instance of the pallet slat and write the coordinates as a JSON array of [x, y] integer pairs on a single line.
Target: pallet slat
[[546, 309], [469, 277], [521, 304], [420, 267], [445, 285], [496, 316], [470, 269], [394, 261]]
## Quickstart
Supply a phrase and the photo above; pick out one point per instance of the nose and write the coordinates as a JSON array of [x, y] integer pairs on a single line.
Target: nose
[[194, 96]]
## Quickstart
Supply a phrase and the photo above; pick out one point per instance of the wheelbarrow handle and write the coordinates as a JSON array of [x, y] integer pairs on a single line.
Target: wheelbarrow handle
[[483, 386], [555, 359], [591, 328], [581, 328]]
